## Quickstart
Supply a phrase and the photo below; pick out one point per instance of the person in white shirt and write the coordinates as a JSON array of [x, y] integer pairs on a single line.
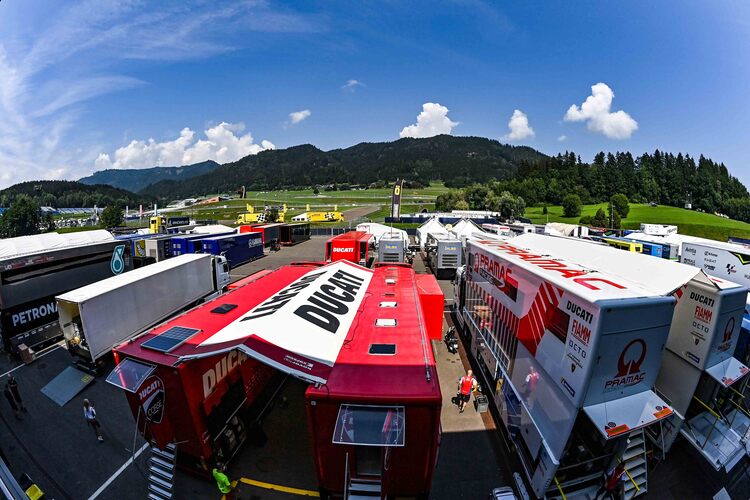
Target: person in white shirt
[[89, 413]]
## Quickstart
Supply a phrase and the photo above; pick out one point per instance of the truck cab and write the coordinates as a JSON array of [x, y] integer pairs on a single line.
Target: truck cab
[[157, 224], [221, 273]]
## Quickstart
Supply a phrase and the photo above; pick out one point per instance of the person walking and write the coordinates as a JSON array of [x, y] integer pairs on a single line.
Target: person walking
[[11, 400], [610, 483], [89, 413], [222, 481], [13, 385], [466, 385]]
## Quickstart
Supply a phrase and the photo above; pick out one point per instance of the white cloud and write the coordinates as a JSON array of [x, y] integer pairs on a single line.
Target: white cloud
[[562, 138], [433, 120], [595, 111], [298, 116], [75, 52], [351, 85], [222, 144], [519, 127]]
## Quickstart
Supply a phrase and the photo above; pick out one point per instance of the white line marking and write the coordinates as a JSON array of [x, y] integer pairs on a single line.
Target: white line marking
[[116, 474], [43, 353]]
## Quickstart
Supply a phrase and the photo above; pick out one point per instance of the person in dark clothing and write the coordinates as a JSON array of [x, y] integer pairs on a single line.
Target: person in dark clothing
[[13, 385], [11, 400]]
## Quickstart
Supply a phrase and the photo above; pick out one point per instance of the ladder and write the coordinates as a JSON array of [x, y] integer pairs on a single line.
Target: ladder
[[161, 469], [636, 467]]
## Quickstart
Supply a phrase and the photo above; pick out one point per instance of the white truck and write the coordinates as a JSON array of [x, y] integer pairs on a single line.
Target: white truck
[[96, 317]]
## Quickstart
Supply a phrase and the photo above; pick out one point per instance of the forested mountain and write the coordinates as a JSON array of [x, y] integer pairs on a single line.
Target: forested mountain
[[136, 179], [455, 160], [71, 194]]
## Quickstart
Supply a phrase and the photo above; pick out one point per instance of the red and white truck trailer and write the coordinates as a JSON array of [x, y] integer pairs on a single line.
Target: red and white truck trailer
[[353, 246], [349, 330], [569, 351]]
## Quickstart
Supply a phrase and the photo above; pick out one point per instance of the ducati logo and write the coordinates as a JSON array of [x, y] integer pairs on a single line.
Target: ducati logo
[[152, 399]]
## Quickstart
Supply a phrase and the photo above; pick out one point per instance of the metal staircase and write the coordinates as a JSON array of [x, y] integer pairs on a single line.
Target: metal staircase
[[636, 467], [161, 469], [363, 489]]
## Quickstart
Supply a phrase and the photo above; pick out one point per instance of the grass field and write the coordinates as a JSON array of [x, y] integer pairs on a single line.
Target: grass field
[[687, 221]]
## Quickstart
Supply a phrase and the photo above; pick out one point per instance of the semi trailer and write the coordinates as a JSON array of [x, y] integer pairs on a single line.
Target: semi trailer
[[34, 269], [237, 248], [190, 243], [291, 234], [569, 345], [96, 317], [269, 233]]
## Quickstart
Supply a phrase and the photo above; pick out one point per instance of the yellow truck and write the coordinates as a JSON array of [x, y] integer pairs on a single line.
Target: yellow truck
[[330, 216], [253, 217]]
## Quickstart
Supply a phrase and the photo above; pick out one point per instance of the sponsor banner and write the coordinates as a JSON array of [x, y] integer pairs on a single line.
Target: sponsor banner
[[28, 316], [301, 328], [722, 263], [396, 199]]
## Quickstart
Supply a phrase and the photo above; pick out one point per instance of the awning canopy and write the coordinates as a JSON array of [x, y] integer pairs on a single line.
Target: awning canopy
[[728, 371], [300, 329], [627, 414]]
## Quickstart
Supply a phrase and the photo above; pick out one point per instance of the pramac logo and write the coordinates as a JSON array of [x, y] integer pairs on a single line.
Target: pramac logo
[[629, 366], [726, 340], [117, 265]]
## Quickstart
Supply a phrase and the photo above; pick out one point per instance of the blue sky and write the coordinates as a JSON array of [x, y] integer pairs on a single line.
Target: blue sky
[[93, 84]]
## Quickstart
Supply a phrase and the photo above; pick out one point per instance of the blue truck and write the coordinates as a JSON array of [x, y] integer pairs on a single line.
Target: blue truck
[[237, 248], [191, 243]]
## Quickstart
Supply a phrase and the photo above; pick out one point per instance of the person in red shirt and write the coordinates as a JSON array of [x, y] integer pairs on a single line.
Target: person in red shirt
[[609, 488], [466, 385]]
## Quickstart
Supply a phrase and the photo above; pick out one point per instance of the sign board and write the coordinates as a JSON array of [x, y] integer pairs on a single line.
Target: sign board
[[396, 198]]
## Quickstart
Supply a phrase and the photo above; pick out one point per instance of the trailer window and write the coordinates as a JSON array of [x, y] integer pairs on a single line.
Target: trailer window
[[370, 425], [130, 374]]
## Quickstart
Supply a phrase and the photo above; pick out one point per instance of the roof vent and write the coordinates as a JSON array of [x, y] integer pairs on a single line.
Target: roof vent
[[389, 294], [223, 309], [383, 349], [389, 304], [390, 281], [385, 322]]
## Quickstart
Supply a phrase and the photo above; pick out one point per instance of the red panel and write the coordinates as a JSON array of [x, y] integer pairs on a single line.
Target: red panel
[[433, 302]]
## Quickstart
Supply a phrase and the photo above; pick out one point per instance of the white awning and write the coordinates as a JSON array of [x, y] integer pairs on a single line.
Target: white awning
[[728, 371], [627, 414], [300, 329]]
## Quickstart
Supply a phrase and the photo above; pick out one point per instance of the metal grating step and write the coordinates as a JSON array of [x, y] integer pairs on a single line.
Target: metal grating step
[[160, 482], [165, 454], [167, 476], [159, 491], [154, 496], [162, 463]]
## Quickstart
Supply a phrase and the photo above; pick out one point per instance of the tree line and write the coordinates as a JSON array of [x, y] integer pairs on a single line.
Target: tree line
[[658, 177]]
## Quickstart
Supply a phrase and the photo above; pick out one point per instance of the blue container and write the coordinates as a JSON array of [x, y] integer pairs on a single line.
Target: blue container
[[191, 243], [237, 248]]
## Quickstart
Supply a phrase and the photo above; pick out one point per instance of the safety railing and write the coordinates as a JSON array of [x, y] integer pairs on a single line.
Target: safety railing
[[559, 488], [637, 488], [713, 425]]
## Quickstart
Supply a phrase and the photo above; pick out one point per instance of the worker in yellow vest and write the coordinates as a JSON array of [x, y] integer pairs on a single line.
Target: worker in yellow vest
[[222, 481]]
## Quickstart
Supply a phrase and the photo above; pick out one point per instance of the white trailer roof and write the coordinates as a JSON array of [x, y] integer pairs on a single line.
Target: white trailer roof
[[98, 288], [597, 272], [211, 229], [380, 230], [26, 245]]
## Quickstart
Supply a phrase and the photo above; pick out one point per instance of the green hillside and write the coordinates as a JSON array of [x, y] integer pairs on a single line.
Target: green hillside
[[688, 221]]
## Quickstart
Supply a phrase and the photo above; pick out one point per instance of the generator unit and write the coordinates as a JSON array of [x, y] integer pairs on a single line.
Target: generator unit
[[444, 253], [392, 249]]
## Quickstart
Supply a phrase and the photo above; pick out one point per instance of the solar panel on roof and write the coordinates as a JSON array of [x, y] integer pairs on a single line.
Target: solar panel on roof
[[170, 339]]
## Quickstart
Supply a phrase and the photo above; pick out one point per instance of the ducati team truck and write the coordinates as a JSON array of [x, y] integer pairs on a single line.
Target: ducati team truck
[[96, 317], [34, 269], [569, 345]]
